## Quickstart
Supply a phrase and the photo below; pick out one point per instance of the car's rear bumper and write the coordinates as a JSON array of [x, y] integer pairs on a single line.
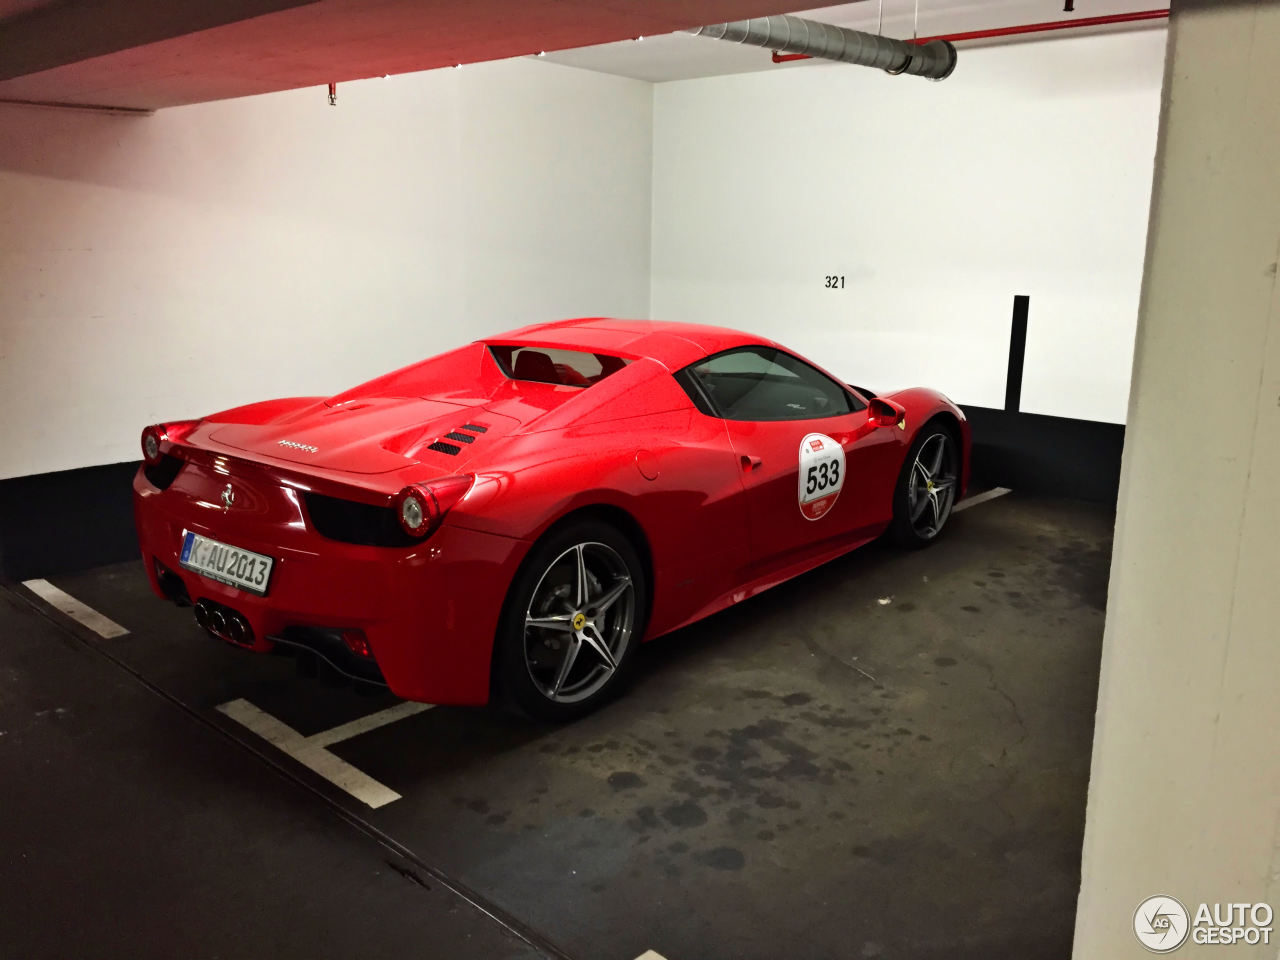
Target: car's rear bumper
[[430, 611]]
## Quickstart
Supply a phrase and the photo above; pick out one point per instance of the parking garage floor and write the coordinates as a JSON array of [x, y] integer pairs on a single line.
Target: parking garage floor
[[885, 758]]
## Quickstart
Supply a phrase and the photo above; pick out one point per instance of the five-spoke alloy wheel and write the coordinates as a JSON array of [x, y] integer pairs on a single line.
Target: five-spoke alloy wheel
[[926, 491], [571, 621], [579, 622]]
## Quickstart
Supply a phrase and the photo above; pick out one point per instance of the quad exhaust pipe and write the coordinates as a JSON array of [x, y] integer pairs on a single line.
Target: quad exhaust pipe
[[224, 623], [239, 631]]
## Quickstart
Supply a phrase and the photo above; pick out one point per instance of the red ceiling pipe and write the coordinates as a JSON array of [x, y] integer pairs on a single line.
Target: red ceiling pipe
[[1101, 21]]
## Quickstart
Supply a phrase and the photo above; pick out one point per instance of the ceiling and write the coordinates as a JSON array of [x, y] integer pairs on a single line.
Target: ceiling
[[681, 56], [11, 8], [147, 54]]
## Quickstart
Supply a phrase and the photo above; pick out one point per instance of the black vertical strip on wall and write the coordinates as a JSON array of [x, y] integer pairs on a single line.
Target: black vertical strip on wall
[[1017, 353], [1056, 456]]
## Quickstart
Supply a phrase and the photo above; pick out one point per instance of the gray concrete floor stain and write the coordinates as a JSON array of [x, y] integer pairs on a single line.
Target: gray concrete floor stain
[[756, 747]]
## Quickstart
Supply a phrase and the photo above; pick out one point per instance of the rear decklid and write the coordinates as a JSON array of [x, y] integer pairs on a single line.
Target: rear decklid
[[371, 435]]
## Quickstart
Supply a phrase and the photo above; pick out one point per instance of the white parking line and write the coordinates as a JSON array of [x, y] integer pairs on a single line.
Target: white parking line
[[981, 498], [311, 752], [65, 603], [651, 955], [361, 725]]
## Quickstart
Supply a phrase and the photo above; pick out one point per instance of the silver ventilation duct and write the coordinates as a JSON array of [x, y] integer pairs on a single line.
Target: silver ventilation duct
[[788, 34]]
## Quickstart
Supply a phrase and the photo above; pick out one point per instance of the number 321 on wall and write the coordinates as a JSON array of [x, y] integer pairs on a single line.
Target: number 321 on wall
[[835, 281]]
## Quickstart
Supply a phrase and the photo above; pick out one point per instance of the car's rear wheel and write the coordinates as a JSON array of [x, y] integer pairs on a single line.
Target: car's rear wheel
[[926, 491], [572, 620]]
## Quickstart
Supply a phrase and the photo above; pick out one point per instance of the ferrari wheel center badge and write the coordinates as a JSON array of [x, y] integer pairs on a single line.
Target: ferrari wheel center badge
[[579, 621]]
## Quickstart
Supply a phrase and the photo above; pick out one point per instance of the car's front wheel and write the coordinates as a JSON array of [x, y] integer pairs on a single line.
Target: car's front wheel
[[571, 622], [926, 491]]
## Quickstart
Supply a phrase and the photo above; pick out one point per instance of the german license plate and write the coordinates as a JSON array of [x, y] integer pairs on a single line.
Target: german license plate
[[235, 566]]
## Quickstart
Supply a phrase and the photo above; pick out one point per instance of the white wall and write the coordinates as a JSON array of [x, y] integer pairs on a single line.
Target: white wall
[[1027, 171], [162, 267], [167, 266]]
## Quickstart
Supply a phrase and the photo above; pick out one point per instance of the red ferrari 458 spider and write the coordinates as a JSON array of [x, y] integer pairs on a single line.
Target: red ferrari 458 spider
[[512, 518]]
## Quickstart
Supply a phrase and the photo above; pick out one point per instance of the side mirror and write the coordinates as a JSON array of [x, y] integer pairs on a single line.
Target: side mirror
[[885, 413]]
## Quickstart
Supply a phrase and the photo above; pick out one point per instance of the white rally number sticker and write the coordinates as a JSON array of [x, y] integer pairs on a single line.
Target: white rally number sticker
[[821, 474]]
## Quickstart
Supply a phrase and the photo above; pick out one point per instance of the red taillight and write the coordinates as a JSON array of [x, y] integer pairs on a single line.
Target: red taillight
[[357, 643], [153, 436], [421, 507], [413, 510]]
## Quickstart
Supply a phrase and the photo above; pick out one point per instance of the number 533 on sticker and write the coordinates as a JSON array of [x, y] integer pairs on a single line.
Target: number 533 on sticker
[[821, 474]]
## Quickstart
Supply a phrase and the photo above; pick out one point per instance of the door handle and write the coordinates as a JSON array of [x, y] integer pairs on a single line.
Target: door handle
[[750, 463]]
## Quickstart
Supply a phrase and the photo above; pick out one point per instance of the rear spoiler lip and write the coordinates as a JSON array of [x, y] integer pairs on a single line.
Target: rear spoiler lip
[[362, 488]]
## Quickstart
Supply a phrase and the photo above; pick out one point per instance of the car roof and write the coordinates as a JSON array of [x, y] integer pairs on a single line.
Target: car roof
[[674, 345]]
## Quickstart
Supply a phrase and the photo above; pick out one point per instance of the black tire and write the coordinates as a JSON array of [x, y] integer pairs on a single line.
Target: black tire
[[916, 522], [528, 659]]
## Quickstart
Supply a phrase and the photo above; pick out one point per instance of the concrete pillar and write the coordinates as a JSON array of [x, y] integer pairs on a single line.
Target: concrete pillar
[[1185, 791]]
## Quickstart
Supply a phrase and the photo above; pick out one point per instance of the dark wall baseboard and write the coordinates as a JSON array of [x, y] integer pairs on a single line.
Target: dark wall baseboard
[[70, 520], [1055, 456], [75, 519]]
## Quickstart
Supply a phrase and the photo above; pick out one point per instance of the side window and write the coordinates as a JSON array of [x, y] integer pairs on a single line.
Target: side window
[[761, 383]]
